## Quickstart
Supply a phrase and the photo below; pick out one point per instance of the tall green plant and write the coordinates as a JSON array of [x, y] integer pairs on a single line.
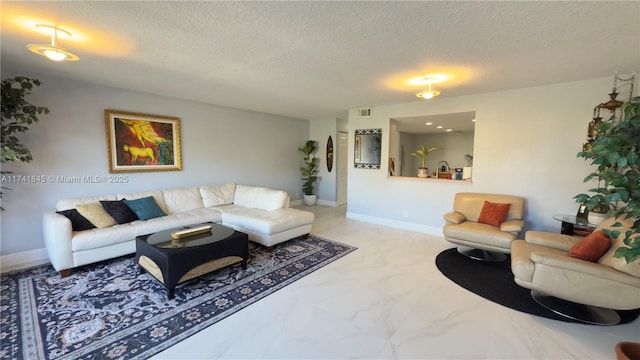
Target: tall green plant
[[17, 115], [310, 169], [615, 151]]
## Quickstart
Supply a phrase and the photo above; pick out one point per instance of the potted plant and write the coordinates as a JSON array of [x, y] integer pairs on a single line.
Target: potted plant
[[421, 154], [466, 171], [615, 151], [309, 172], [599, 212], [17, 115]]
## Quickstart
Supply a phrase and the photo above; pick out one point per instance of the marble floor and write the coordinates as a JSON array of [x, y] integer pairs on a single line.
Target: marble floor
[[387, 300]]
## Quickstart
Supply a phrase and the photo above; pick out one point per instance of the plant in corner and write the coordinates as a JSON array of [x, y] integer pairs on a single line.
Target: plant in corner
[[17, 115], [309, 171], [421, 154], [615, 151]]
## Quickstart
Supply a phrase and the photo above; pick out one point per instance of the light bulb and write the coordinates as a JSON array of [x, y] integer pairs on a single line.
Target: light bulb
[[55, 55]]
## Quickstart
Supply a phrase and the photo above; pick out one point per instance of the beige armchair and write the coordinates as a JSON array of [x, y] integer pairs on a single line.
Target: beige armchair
[[481, 240], [579, 289]]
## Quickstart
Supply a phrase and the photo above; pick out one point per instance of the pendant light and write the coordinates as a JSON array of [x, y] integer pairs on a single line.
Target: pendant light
[[428, 93], [53, 52]]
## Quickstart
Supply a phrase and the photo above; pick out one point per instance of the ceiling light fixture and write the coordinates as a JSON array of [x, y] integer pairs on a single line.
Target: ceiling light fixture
[[53, 52], [428, 93]]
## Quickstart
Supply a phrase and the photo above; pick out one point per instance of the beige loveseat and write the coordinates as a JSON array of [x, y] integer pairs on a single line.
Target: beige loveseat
[[462, 226], [541, 263], [263, 214]]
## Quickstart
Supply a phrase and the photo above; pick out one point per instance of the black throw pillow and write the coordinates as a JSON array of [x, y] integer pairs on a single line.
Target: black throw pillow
[[78, 222], [119, 211]]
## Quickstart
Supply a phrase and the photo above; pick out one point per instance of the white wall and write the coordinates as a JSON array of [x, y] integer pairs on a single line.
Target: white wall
[[526, 141], [219, 145]]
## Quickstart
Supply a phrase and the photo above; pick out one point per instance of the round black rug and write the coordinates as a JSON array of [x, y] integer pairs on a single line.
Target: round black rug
[[493, 280]]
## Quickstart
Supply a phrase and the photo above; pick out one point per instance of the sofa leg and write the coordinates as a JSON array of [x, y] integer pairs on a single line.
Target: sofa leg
[[269, 248], [306, 236], [65, 272]]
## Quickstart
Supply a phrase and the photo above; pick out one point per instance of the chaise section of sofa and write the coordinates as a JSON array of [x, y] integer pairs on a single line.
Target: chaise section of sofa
[[262, 213]]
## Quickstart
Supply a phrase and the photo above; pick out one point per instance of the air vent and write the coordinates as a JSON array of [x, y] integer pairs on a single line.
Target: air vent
[[364, 112]]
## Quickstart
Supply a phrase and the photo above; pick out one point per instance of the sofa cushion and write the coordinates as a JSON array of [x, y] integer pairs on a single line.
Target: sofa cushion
[[145, 208], [96, 214], [96, 238], [259, 198], [620, 264], [265, 221], [592, 247], [493, 213], [157, 195], [78, 222], [118, 210], [184, 199], [473, 232], [72, 203], [216, 195]]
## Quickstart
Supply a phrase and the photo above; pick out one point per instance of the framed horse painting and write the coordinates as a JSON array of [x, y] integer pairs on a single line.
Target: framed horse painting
[[142, 142]]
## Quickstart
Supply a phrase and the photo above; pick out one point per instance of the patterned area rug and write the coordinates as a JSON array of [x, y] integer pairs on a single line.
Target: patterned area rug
[[109, 310]]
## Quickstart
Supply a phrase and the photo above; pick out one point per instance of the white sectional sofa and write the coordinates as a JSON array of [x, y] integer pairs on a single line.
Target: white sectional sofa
[[263, 214]]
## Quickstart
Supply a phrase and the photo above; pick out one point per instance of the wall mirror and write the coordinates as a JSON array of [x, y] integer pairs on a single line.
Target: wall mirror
[[453, 132], [367, 149]]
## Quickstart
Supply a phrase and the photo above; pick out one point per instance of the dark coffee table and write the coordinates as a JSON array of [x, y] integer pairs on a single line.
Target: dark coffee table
[[173, 261]]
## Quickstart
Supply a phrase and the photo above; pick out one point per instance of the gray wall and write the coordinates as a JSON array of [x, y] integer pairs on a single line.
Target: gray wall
[[219, 145]]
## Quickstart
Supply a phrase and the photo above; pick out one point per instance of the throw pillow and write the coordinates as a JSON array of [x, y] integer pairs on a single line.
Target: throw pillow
[[620, 264], [145, 208], [78, 222], [119, 211], [493, 213], [592, 247], [95, 213]]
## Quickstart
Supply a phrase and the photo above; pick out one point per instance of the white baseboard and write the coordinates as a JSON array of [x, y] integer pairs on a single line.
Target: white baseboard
[[23, 260], [299, 202], [426, 229], [327, 203]]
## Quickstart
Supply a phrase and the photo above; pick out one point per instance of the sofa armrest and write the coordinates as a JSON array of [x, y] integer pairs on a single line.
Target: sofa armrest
[[552, 240], [512, 226], [584, 267], [454, 217], [57, 234]]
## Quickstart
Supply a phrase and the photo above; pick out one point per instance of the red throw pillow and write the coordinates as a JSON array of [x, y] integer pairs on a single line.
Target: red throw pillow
[[592, 247], [493, 214]]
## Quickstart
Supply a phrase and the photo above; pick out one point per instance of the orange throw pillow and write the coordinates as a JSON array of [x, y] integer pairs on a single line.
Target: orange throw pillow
[[592, 247], [493, 214]]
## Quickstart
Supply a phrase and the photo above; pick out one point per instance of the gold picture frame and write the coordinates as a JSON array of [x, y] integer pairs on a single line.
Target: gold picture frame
[[142, 142]]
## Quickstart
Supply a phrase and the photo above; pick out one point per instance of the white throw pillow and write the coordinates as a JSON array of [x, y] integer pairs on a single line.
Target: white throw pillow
[[216, 195], [96, 214]]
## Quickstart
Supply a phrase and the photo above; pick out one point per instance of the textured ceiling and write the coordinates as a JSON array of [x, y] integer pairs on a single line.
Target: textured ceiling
[[318, 59]]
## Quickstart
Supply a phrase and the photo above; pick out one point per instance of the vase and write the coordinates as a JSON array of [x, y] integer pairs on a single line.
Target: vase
[[627, 350], [310, 199], [423, 172], [596, 218], [466, 173]]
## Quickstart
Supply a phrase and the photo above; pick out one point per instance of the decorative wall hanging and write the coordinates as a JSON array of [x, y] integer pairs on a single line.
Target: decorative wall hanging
[[142, 142], [329, 154], [612, 105], [368, 145]]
